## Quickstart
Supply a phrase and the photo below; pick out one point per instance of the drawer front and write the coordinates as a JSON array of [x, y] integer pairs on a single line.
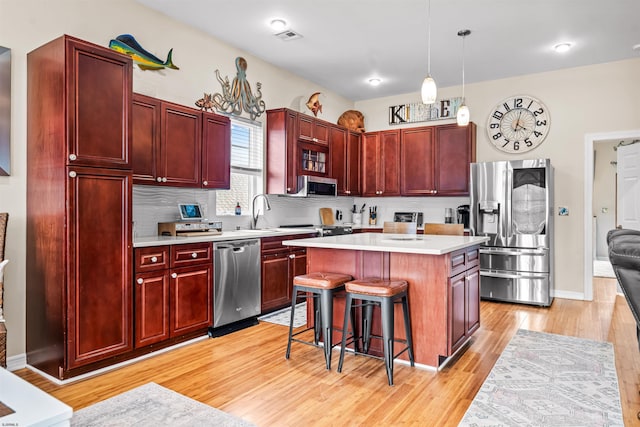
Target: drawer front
[[191, 254], [472, 257], [151, 258], [458, 262], [531, 260]]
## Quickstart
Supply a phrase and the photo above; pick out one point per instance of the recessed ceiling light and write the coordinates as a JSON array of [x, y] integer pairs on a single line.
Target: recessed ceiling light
[[375, 81], [278, 24], [562, 47]]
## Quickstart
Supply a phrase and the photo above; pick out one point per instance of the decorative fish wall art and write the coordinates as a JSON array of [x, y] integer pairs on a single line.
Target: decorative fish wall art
[[127, 44], [314, 104]]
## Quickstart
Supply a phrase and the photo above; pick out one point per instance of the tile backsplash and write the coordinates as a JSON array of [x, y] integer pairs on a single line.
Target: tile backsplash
[[153, 204]]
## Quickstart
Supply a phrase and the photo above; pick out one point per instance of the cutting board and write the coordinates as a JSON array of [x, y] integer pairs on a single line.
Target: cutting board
[[326, 216]]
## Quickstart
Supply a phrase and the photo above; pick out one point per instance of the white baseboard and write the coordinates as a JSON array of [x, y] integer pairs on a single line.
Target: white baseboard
[[16, 362], [569, 295]]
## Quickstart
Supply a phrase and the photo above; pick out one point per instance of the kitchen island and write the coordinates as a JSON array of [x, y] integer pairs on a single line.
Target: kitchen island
[[443, 276]]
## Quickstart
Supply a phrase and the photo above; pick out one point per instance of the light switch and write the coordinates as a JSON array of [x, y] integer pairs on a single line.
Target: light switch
[[605, 210]]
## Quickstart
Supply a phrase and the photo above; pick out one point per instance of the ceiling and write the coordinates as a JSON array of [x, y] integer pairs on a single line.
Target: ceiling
[[344, 43]]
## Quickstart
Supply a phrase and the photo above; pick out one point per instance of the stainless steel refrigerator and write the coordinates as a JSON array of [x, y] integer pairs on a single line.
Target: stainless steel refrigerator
[[512, 204]]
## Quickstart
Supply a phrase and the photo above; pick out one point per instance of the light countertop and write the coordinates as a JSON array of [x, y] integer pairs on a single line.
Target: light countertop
[[428, 244], [141, 242]]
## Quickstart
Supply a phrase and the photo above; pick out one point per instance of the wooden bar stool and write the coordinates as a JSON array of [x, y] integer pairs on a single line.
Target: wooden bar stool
[[323, 286], [383, 293]]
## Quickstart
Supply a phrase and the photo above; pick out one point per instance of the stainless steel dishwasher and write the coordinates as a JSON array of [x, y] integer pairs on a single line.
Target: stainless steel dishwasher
[[236, 287]]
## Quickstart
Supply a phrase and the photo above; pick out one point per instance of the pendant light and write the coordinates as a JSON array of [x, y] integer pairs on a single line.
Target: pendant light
[[429, 90], [463, 111]]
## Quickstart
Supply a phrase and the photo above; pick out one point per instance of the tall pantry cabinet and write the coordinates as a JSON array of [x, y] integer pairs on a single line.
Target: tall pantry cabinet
[[79, 186]]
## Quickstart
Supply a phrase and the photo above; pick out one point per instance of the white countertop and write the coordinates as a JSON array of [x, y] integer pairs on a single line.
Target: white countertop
[[141, 242], [428, 244]]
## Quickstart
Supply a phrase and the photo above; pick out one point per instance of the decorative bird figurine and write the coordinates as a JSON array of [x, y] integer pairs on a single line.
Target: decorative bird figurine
[[314, 104]]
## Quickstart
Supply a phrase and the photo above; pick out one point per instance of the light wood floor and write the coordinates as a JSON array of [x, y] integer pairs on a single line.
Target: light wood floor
[[246, 374]]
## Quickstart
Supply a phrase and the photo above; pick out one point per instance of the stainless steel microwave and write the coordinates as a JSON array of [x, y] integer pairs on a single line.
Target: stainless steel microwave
[[315, 186]]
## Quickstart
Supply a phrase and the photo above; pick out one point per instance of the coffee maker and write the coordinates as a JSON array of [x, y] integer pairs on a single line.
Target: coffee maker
[[463, 215]]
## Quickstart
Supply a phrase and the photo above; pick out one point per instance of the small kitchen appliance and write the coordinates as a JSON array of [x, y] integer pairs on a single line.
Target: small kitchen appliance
[[408, 217], [463, 215], [189, 228]]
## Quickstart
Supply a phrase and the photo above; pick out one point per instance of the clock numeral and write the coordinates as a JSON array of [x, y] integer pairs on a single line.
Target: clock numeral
[[517, 103], [541, 123], [537, 134], [497, 136], [538, 111], [506, 107], [506, 142], [497, 115], [494, 125], [528, 142], [530, 103], [516, 145]]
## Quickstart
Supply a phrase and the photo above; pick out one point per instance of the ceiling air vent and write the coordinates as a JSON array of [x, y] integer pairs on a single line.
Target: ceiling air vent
[[288, 35]]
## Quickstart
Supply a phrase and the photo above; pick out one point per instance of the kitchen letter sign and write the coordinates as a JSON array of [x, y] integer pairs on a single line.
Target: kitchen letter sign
[[419, 112]]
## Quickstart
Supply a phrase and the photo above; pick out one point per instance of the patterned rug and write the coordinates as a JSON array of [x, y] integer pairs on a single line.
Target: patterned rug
[[283, 317], [549, 380], [154, 405]]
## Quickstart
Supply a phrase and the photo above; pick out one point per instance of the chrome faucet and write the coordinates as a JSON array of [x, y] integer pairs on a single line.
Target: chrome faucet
[[254, 214]]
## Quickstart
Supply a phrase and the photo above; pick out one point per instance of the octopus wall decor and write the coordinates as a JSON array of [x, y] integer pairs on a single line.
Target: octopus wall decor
[[237, 96]]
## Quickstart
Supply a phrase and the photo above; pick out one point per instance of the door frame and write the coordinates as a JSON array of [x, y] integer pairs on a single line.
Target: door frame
[[589, 140]]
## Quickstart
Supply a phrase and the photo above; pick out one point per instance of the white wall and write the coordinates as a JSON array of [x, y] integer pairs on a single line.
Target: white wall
[[594, 99]]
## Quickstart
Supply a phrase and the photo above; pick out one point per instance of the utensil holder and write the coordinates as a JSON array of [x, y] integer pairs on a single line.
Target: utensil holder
[[356, 219]]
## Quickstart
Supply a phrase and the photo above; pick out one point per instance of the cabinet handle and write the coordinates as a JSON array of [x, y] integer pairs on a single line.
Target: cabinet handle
[[72, 174], [164, 179], [159, 179], [205, 183], [292, 256], [194, 255], [154, 259], [174, 275], [140, 281], [288, 188], [314, 139], [347, 192], [72, 157]]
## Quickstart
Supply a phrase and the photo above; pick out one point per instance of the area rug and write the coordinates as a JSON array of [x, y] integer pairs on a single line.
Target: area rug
[[153, 405], [603, 269], [549, 380], [283, 317]]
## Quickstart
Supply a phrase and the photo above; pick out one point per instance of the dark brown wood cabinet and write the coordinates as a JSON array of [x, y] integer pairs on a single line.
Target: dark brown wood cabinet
[[179, 146], [173, 292], [282, 151], [312, 130], [280, 264], [216, 151], [79, 181], [381, 163], [463, 297], [435, 160], [345, 160]]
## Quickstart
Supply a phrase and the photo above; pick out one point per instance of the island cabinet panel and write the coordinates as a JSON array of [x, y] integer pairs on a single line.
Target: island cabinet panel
[[174, 292], [79, 185], [381, 163], [444, 307], [345, 160]]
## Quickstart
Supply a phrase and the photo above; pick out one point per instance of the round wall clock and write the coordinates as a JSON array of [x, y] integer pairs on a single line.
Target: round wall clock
[[518, 124]]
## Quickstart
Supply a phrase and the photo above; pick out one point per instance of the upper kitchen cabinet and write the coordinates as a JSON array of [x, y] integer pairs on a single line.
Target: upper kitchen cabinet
[[345, 160], [435, 160], [216, 151], [381, 163], [179, 146], [79, 186], [313, 130], [282, 176], [455, 150]]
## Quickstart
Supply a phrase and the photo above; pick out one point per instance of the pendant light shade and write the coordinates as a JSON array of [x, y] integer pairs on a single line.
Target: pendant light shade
[[463, 115], [429, 90]]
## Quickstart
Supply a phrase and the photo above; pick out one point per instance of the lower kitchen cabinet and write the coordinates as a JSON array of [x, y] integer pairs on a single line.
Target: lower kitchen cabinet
[[173, 292], [464, 297], [280, 264]]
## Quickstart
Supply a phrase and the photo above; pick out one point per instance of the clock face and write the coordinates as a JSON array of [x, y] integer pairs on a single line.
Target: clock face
[[518, 124]]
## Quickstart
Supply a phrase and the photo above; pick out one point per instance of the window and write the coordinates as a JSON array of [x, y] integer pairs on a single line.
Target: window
[[246, 167]]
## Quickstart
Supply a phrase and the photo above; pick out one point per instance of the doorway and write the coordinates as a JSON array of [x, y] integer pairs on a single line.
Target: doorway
[[590, 141]]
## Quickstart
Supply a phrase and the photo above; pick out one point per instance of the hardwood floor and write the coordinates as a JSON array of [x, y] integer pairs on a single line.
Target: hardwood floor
[[246, 374]]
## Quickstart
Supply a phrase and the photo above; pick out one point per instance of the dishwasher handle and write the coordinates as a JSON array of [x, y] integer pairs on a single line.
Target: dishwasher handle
[[239, 249]]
